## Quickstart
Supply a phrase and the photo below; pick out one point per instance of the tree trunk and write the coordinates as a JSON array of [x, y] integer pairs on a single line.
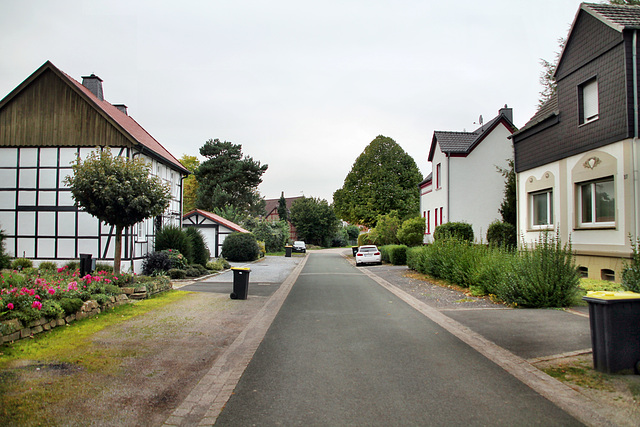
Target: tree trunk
[[118, 250]]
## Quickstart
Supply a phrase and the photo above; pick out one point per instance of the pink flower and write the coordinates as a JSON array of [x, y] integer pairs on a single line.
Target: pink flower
[[51, 291], [37, 297], [37, 304], [10, 306]]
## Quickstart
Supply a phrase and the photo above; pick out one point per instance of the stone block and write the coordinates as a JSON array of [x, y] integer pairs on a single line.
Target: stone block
[[25, 332], [10, 326], [37, 329], [80, 315], [46, 326], [61, 322], [70, 318], [128, 291]]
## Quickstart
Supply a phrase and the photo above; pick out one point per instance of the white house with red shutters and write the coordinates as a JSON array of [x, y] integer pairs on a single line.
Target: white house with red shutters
[[465, 185]]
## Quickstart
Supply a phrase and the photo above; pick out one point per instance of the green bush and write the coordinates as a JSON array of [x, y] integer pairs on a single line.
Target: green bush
[[51, 309], [192, 272], [101, 299], [457, 230], [199, 248], [544, 276], [174, 237], [340, 239], [387, 229], [72, 265], [240, 247], [411, 232], [202, 271], [4, 258], [176, 273], [218, 264], [274, 234], [502, 234], [394, 254], [631, 270], [263, 249], [71, 305], [353, 232], [103, 266], [367, 238], [48, 266], [156, 263], [21, 263]]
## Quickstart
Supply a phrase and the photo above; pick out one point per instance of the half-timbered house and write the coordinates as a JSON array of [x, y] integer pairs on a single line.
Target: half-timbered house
[[45, 124]]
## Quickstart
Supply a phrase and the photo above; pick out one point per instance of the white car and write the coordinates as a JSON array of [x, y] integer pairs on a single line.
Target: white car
[[299, 246], [368, 254]]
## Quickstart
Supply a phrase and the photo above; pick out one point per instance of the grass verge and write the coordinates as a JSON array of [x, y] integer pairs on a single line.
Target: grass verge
[[26, 394]]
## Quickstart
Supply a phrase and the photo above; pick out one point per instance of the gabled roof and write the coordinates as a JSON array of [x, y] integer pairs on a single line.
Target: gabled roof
[[427, 180], [462, 143], [272, 204], [216, 218], [125, 123], [617, 17]]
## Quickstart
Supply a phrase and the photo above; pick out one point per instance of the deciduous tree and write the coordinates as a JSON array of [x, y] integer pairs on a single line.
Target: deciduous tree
[[117, 190], [315, 220], [190, 183], [383, 178]]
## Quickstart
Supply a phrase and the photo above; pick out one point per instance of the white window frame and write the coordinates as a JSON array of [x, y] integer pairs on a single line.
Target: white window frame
[[589, 101], [594, 220], [141, 234], [549, 208]]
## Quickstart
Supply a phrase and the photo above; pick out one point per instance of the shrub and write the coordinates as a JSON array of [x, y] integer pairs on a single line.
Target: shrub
[[101, 299], [341, 238], [631, 271], [48, 266], [387, 229], [218, 264], [199, 248], [21, 263], [72, 265], [174, 237], [416, 258], [544, 276], [176, 273], [192, 272], [411, 232], [394, 254], [458, 230], [353, 232], [71, 305], [4, 258], [263, 249], [502, 234], [103, 266], [156, 263], [240, 247], [51, 310], [367, 238], [273, 234]]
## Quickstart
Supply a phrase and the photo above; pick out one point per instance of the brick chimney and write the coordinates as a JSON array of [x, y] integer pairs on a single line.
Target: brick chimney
[[94, 84], [121, 107], [507, 112]]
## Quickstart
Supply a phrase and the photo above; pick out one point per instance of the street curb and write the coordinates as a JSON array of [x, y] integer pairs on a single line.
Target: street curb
[[207, 399], [569, 400]]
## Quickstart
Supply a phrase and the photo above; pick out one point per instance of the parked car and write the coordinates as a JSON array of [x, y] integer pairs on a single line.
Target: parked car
[[299, 246], [368, 254]]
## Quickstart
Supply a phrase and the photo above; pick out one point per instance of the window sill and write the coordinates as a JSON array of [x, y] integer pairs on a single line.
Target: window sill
[[595, 119], [540, 228], [595, 227]]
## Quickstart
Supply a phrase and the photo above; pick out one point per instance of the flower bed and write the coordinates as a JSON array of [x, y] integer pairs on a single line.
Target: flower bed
[[35, 300]]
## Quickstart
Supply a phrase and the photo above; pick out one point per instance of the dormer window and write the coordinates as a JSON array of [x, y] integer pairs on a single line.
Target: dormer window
[[588, 101]]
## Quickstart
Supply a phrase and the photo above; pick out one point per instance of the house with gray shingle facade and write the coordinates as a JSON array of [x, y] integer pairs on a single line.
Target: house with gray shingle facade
[[464, 185], [45, 124], [577, 158]]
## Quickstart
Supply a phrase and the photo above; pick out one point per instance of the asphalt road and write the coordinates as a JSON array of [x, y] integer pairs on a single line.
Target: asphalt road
[[344, 351]]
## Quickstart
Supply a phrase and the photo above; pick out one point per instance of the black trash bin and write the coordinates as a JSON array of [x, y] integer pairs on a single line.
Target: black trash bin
[[614, 319], [354, 249], [240, 282], [288, 250], [87, 265]]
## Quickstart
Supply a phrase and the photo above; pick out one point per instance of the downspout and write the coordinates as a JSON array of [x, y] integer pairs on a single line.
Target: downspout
[[634, 153], [448, 187]]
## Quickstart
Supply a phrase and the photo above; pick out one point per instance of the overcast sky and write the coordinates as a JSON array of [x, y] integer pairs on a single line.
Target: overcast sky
[[303, 86]]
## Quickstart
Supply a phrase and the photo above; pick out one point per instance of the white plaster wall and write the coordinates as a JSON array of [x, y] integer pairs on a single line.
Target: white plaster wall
[[437, 198], [524, 209], [476, 186]]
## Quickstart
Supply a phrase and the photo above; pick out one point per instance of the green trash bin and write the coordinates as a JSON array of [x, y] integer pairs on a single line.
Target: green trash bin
[[614, 319], [287, 251], [240, 282]]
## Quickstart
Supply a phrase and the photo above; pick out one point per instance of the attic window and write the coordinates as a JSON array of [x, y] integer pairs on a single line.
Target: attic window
[[588, 101]]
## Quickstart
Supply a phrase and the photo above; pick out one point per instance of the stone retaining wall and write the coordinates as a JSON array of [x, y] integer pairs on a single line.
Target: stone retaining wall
[[13, 330]]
